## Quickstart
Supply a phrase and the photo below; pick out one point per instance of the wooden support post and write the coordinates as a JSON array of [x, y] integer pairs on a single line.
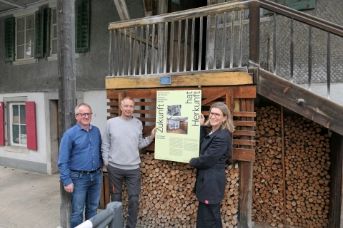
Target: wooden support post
[[245, 193], [254, 37], [210, 38], [336, 183], [122, 9], [245, 177], [67, 84]]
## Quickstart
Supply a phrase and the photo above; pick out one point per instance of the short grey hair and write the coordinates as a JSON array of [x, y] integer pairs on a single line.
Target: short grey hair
[[126, 98], [82, 104]]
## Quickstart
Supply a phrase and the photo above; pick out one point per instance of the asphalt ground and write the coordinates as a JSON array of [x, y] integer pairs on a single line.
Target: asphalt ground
[[32, 200], [28, 199]]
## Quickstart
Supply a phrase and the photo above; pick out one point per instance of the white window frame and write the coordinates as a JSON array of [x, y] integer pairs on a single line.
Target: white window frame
[[25, 43], [52, 31], [11, 140], [29, 11]]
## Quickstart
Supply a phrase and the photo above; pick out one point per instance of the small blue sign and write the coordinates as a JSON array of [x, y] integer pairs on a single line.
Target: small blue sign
[[165, 80]]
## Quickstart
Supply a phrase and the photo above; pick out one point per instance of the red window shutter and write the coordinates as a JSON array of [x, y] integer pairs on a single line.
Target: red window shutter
[[2, 124], [31, 130]]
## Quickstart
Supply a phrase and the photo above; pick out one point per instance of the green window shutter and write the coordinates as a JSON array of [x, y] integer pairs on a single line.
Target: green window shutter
[[301, 4], [82, 25], [9, 39], [39, 41], [46, 36]]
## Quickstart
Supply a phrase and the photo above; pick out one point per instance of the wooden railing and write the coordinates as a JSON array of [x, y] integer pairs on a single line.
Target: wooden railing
[[307, 35], [225, 36], [199, 39]]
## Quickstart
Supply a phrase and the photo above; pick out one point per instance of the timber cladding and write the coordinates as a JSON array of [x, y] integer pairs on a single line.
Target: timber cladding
[[239, 99]]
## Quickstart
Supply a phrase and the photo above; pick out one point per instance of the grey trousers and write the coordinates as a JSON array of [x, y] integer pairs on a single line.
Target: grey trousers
[[133, 185]]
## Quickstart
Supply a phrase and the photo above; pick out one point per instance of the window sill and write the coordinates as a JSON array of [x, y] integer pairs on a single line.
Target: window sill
[[16, 149], [54, 57], [24, 61]]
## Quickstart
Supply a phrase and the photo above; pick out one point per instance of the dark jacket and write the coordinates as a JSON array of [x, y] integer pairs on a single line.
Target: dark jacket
[[211, 178]]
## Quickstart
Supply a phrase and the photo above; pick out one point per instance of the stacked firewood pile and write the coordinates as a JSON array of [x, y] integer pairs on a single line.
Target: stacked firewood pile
[[292, 189], [167, 198], [307, 173]]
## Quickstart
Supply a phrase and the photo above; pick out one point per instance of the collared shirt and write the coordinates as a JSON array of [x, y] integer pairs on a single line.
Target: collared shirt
[[79, 150]]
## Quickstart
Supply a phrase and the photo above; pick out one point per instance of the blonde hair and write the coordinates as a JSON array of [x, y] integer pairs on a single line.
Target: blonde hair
[[228, 124]]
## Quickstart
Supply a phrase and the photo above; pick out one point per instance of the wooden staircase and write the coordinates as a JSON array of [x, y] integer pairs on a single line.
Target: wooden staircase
[[302, 101]]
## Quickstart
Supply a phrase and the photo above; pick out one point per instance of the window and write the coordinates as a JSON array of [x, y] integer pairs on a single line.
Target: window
[[25, 36], [53, 34], [33, 34], [18, 124], [21, 130]]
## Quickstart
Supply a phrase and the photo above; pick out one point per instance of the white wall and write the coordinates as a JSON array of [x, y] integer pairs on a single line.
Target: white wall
[[98, 101], [40, 160]]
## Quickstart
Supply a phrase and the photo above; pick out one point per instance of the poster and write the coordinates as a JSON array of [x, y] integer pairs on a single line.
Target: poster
[[177, 125]]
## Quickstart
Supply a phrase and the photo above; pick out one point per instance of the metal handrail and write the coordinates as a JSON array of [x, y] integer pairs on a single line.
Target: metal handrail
[[111, 217]]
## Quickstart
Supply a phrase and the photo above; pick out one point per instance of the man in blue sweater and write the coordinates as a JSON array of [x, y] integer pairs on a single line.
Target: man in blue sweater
[[80, 165], [122, 140]]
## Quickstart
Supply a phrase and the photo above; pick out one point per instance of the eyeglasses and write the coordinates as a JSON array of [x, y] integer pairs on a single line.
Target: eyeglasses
[[215, 114], [85, 114]]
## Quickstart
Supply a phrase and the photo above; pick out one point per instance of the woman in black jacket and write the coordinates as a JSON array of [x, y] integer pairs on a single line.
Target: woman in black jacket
[[211, 179]]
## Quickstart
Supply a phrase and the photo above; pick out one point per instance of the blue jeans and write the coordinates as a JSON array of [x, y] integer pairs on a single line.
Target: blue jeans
[[87, 191]]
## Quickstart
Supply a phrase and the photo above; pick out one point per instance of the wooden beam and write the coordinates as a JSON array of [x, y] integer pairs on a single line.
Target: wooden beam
[[300, 100], [14, 3], [182, 15], [196, 79], [238, 92], [241, 154], [162, 7], [122, 9]]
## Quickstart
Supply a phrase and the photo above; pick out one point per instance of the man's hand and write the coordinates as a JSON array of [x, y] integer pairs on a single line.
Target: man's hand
[[153, 132], [69, 188]]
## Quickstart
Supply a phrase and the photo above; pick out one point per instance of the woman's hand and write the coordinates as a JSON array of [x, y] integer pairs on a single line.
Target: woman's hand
[[202, 119]]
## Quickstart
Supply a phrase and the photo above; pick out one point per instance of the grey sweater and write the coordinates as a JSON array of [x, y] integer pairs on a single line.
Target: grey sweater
[[121, 142]]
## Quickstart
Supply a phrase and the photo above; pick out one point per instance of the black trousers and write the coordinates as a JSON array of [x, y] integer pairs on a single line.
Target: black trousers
[[209, 216], [133, 185]]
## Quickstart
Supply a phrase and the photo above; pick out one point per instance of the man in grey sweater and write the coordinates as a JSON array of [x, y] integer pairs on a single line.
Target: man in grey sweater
[[121, 142]]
